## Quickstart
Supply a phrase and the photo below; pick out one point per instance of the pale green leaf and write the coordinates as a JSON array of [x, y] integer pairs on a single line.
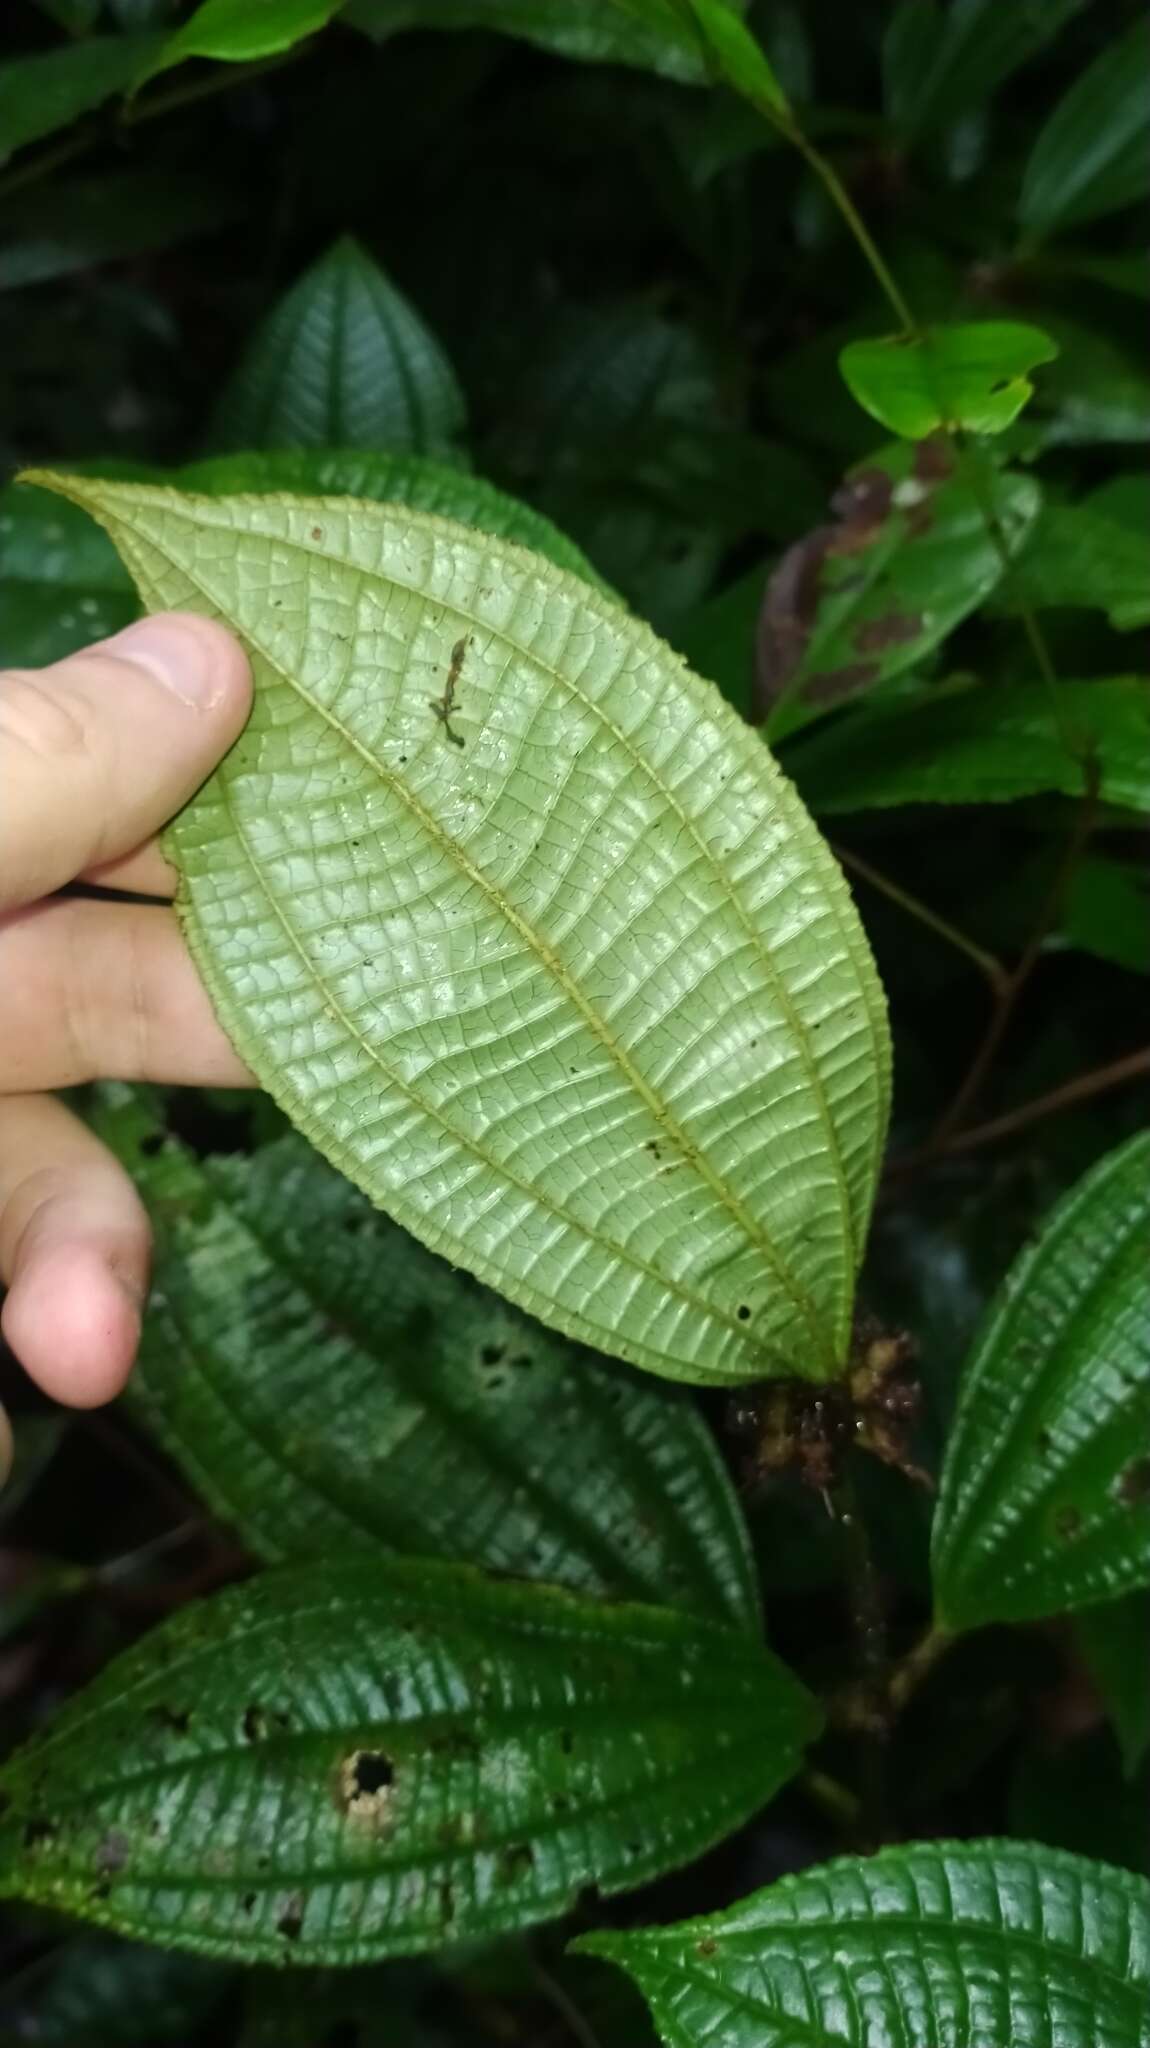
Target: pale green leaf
[[1044, 1501], [985, 745], [40, 94], [238, 31], [939, 61], [936, 1945], [331, 1387], [343, 360], [342, 1763], [1115, 1642], [519, 923], [867, 596], [972, 375], [1092, 157]]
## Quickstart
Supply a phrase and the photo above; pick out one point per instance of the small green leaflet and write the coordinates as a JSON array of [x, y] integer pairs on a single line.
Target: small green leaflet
[[40, 94], [239, 31], [343, 361], [520, 924], [344, 1763], [329, 1387], [973, 375], [1092, 158], [1044, 1501], [936, 1945], [865, 597], [982, 745]]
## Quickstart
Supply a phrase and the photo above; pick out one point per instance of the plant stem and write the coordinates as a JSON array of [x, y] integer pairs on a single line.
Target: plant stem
[[910, 1671], [579, 2028], [993, 969], [1085, 1086], [837, 1801], [864, 240], [971, 1085]]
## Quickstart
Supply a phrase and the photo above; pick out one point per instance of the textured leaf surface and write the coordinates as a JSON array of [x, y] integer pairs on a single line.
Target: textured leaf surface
[[1091, 157], [344, 360], [237, 31], [582, 1000], [328, 1385], [42, 93], [940, 61], [344, 1763], [862, 599], [1044, 1502], [983, 746], [971, 375], [939, 1945]]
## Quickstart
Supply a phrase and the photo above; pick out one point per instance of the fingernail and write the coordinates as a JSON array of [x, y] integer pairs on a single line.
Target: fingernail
[[175, 655]]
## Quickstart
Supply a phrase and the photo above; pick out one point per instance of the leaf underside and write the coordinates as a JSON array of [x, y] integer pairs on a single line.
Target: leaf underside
[[343, 1763], [526, 932]]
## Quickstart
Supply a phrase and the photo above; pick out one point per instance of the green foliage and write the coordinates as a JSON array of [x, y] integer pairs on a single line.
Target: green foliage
[[1044, 1503], [346, 1762], [790, 991], [971, 376], [951, 1942], [342, 361], [444, 348]]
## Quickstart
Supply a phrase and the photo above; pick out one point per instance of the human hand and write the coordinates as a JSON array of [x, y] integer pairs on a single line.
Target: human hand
[[96, 753]]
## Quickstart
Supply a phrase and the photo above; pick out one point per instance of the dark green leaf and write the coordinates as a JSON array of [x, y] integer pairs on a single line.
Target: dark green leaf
[[61, 581], [1094, 392], [940, 61], [738, 59], [972, 375], [1115, 1643], [1073, 1793], [1044, 1502], [346, 1763], [1106, 911], [1092, 157], [237, 31], [651, 38], [1077, 556], [342, 361], [938, 1945], [95, 1992], [328, 1384], [983, 746], [909, 554], [42, 93], [73, 224]]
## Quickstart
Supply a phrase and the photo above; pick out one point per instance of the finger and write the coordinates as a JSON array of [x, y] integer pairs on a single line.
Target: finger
[[145, 872], [98, 751], [74, 1249], [105, 991]]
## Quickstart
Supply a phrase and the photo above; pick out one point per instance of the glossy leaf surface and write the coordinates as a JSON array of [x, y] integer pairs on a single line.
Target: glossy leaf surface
[[864, 598], [1091, 157], [342, 361], [983, 746], [951, 1944], [520, 924], [330, 1386], [341, 1763], [972, 375], [1044, 1502], [651, 35], [239, 31], [45, 92]]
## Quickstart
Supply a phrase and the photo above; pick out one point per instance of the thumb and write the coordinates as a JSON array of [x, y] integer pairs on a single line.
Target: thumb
[[98, 751]]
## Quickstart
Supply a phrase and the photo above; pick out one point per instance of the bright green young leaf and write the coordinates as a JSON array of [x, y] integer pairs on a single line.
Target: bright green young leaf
[[328, 1385], [445, 891], [653, 37], [972, 375], [92, 1991], [342, 361], [1077, 556], [1044, 1502], [985, 745], [861, 599], [342, 1763], [63, 585], [69, 225], [237, 31], [40, 94], [939, 61], [1115, 1643], [1092, 156], [936, 1945], [738, 58]]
